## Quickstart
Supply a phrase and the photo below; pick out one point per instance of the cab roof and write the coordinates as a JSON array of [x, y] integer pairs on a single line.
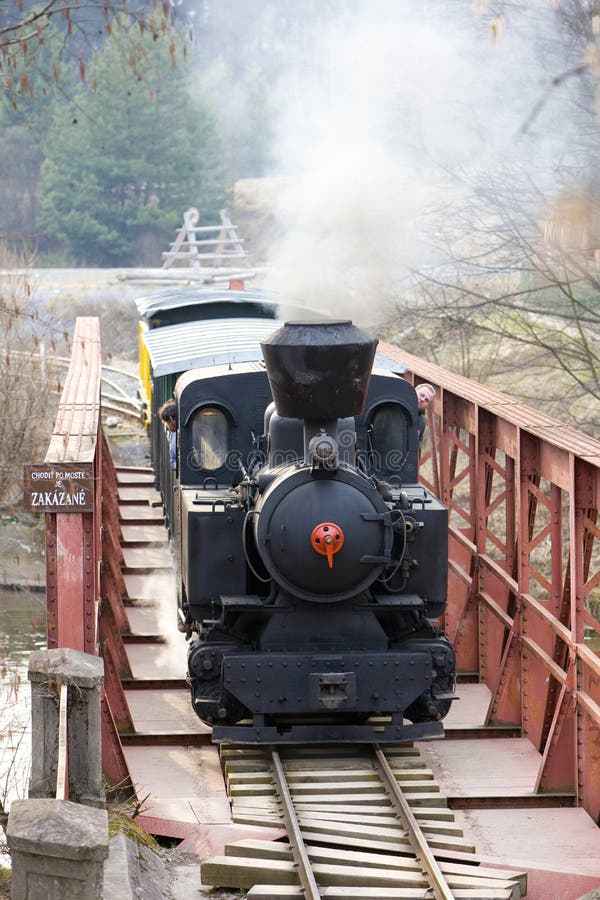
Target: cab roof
[[174, 298]]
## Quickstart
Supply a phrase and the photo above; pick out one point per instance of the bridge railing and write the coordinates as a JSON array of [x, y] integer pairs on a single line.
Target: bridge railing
[[84, 581], [523, 491]]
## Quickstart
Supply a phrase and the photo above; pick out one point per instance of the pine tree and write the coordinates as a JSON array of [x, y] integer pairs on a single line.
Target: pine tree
[[129, 154], [30, 88]]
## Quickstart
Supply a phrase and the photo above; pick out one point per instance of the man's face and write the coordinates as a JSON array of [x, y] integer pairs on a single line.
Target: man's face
[[172, 423], [424, 398]]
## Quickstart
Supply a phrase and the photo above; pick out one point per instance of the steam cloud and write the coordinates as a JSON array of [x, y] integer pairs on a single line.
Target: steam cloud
[[377, 120]]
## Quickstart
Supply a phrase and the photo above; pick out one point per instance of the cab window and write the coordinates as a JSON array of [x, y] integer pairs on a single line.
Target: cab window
[[388, 437], [210, 438]]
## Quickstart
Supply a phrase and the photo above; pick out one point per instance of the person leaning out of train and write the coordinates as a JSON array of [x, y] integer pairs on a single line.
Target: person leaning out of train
[[425, 394], [168, 414]]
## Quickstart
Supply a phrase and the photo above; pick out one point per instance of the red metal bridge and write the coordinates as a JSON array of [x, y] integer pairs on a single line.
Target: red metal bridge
[[523, 492]]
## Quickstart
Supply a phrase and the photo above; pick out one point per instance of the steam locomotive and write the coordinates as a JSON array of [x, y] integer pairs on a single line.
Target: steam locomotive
[[312, 564]]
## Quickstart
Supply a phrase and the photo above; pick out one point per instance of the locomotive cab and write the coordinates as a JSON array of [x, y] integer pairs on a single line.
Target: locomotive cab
[[218, 436], [312, 562]]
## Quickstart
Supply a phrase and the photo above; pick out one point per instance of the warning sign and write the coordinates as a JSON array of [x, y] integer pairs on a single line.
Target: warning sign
[[58, 487]]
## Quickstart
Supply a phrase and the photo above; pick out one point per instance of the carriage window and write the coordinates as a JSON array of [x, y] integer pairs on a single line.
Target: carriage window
[[388, 437], [210, 438]]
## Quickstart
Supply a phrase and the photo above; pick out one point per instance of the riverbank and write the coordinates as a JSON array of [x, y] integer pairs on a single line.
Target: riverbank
[[22, 559]]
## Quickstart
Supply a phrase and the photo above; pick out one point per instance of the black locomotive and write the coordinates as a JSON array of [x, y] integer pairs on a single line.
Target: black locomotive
[[312, 563]]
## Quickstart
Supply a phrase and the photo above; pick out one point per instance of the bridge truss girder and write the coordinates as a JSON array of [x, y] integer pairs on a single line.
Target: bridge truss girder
[[523, 493]]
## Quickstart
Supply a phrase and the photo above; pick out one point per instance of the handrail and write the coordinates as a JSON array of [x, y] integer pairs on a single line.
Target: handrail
[[523, 493], [504, 406], [75, 434], [73, 537], [83, 556]]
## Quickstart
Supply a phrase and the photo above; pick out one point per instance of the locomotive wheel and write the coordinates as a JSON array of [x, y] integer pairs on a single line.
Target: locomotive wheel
[[217, 707], [434, 704], [427, 709], [212, 703]]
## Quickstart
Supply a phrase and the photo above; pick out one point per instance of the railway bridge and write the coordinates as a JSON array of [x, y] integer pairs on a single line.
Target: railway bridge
[[520, 762]]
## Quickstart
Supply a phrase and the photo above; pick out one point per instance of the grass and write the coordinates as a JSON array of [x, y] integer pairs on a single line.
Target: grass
[[119, 822], [4, 883]]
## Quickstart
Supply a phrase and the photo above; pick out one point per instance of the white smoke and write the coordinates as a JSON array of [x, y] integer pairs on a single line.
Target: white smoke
[[376, 124]]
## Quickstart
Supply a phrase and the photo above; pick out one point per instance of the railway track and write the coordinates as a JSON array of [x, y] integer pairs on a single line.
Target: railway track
[[360, 822]]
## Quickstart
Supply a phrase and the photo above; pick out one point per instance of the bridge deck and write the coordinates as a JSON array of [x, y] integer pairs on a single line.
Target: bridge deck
[[490, 782], [173, 765]]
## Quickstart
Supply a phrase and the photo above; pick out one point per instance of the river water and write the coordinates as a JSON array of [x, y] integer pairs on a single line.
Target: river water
[[22, 629]]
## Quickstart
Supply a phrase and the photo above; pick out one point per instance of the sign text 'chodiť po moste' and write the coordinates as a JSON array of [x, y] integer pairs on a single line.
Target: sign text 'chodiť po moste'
[[58, 487]]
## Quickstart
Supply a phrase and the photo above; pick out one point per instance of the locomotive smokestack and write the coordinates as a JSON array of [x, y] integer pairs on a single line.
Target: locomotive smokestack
[[319, 371]]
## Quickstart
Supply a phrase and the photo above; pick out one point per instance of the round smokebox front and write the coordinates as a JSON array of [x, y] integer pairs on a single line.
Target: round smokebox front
[[312, 534]]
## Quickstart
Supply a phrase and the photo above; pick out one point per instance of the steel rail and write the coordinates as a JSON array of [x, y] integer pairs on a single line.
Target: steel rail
[[305, 873], [418, 841]]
